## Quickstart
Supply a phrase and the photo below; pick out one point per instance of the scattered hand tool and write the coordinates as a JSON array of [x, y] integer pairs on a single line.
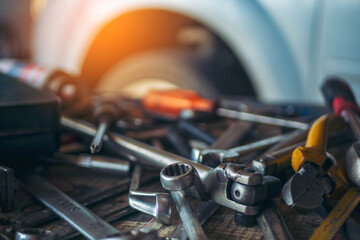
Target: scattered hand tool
[[35, 234], [338, 215], [178, 140], [156, 204], [176, 178], [9, 226], [195, 132], [316, 173], [72, 90], [206, 209], [7, 189], [82, 219], [106, 112], [272, 224], [219, 183], [213, 157], [96, 162], [171, 102], [203, 212], [278, 157], [340, 98]]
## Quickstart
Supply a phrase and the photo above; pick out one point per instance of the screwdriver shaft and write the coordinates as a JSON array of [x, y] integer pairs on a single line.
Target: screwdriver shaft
[[261, 119], [96, 143]]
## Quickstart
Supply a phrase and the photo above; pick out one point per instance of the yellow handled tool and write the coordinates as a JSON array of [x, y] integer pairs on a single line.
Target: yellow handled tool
[[337, 216]]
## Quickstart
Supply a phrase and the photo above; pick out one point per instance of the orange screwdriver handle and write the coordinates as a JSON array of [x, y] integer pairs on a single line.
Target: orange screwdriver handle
[[316, 142], [171, 102]]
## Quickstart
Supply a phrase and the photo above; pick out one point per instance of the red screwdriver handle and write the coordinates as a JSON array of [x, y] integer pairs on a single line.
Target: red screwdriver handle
[[338, 95], [171, 102]]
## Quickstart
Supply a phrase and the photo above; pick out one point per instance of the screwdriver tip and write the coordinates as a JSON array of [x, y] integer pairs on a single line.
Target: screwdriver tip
[[94, 148]]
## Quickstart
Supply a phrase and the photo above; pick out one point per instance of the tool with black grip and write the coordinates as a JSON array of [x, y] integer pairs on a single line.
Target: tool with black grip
[[171, 102], [73, 92], [340, 98], [317, 173], [106, 112]]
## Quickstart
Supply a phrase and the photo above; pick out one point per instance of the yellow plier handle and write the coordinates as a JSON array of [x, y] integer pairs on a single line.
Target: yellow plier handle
[[315, 151], [316, 142]]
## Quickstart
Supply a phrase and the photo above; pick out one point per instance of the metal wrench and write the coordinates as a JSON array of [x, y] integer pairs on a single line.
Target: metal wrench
[[215, 182], [213, 157], [157, 204], [232, 135], [82, 219]]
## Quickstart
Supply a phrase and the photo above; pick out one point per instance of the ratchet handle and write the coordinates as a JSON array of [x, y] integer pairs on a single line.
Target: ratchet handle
[[338, 95]]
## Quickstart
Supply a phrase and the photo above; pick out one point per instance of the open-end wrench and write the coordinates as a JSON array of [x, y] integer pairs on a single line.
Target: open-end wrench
[[272, 224], [157, 204], [177, 178], [216, 183], [233, 134], [82, 219], [214, 157]]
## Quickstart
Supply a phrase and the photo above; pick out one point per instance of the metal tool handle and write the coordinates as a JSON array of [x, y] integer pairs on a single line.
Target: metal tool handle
[[144, 153], [82, 219]]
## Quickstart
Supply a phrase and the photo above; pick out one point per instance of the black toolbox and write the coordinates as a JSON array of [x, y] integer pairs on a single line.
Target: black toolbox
[[29, 121]]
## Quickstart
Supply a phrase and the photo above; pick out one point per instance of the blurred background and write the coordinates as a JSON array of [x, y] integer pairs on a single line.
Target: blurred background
[[277, 51]]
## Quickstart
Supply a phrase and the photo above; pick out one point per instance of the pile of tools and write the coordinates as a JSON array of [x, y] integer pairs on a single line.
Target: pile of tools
[[237, 154]]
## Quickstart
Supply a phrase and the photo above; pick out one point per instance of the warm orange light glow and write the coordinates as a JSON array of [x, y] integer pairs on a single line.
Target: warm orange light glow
[[36, 7]]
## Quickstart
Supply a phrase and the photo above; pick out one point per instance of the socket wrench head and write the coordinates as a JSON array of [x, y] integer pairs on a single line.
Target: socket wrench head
[[177, 176], [35, 234]]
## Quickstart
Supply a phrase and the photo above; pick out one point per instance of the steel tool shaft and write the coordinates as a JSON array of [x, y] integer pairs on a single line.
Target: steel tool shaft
[[82, 219]]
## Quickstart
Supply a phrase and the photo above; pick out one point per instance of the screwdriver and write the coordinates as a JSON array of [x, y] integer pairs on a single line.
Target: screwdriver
[[171, 102], [72, 90], [105, 113], [340, 97]]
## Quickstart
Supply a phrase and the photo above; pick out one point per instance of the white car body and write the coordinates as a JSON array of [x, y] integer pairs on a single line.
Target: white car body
[[286, 47]]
